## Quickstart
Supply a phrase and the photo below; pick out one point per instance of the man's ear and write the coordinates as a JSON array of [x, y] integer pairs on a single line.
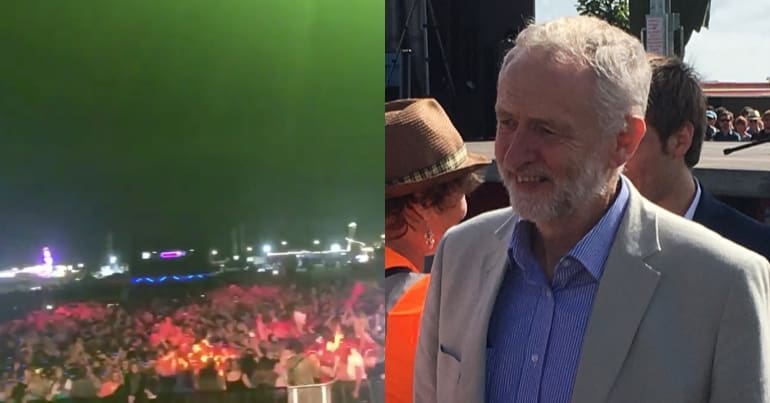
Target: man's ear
[[627, 141], [680, 141]]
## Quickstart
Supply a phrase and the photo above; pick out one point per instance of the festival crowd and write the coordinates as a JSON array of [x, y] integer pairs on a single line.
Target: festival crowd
[[248, 341]]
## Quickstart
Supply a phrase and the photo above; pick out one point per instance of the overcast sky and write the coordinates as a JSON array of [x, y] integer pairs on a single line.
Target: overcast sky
[[730, 50]]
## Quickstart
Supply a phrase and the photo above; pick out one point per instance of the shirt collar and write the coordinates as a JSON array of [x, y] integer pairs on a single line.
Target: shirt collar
[[690, 213], [593, 248]]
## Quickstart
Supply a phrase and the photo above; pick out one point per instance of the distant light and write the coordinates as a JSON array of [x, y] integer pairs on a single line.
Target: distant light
[[267, 248], [316, 242], [336, 247], [47, 257], [250, 259], [113, 259], [49, 307], [352, 225], [146, 255], [284, 243], [214, 252], [382, 236], [203, 295], [275, 272], [236, 257], [363, 258], [249, 249], [37, 288], [172, 254], [15, 269]]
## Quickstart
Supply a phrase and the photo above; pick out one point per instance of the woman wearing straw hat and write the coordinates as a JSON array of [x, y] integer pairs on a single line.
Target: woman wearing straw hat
[[428, 172]]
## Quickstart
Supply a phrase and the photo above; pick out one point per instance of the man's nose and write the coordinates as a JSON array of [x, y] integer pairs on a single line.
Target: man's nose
[[519, 150]]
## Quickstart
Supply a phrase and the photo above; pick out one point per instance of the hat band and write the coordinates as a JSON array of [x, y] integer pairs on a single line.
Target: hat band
[[447, 164]]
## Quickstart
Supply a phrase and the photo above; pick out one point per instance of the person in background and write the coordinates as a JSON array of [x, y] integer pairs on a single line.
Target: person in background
[[662, 166], [301, 371], [742, 127], [60, 385], [37, 386], [711, 129], [238, 383], [428, 172], [765, 133], [85, 385], [755, 122], [111, 385], [726, 132], [745, 111], [135, 383]]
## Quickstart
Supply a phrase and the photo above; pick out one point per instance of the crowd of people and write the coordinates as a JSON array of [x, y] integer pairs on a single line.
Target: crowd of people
[[250, 342], [748, 125]]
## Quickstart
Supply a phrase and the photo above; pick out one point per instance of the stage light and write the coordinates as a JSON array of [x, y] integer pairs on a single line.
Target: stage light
[[172, 254]]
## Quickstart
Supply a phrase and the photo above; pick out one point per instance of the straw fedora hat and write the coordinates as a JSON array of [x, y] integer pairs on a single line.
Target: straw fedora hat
[[423, 148]]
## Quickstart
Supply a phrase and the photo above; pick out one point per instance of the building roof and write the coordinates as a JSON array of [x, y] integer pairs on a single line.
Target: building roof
[[736, 90]]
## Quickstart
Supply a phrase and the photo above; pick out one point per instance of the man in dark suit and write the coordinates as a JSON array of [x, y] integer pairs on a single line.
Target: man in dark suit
[[662, 167]]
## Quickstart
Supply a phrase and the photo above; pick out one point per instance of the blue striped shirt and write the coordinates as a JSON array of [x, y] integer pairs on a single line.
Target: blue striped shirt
[[536, 329]]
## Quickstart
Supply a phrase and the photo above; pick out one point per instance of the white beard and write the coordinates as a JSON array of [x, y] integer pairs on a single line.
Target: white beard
[[584, 183]]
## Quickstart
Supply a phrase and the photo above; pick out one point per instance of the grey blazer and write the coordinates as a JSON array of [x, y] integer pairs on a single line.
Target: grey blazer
[[680, 315]]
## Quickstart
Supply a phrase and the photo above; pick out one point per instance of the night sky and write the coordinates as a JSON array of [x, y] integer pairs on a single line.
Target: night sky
[[174, 121]]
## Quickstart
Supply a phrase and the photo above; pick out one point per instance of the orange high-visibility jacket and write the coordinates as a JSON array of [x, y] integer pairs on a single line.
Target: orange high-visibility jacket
[[402, 328]]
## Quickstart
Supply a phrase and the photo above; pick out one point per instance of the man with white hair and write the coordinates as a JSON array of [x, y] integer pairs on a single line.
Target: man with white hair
[[584, 291]]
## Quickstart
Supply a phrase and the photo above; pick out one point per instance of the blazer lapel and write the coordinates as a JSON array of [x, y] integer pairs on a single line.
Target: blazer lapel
[[494, 265], [625, 290]]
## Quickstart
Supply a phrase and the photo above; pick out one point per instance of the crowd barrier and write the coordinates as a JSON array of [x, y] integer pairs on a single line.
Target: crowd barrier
[[316, 393]]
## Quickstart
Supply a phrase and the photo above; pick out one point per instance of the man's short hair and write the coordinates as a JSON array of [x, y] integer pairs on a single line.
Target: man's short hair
[[722, 111], [676, 98], [745, 111]]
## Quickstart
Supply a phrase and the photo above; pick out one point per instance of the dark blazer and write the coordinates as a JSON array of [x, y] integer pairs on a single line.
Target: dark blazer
[[732, 224]]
